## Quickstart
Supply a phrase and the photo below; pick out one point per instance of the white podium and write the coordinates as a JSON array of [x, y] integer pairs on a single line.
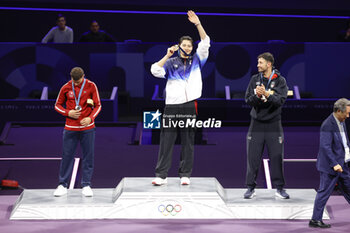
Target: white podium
[[137, 198]]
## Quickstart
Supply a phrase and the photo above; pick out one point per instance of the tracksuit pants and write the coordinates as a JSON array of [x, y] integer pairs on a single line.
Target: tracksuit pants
[[259, 135], [175, 112], [70, 142]]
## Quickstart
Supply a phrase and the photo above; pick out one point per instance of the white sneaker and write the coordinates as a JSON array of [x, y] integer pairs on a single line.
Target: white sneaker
[[159, 181], [60, 191], [87, 191], [185, 181]]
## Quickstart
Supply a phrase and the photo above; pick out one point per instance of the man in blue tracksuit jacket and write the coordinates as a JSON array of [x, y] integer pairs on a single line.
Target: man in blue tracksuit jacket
[[184, 86]]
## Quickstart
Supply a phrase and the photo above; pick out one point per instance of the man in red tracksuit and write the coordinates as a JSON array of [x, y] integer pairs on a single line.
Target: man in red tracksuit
[[82, 105]]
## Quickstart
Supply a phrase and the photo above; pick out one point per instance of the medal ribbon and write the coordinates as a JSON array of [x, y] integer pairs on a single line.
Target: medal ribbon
[[189, 59], [77, 101], [268, 83], [186, 54]]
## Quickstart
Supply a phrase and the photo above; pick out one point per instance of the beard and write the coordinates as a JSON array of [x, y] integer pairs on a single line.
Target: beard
[[262, 70]]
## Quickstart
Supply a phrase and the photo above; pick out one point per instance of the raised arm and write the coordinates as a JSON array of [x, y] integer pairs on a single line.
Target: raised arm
[[193, 18], [169, 53], [157, 68]]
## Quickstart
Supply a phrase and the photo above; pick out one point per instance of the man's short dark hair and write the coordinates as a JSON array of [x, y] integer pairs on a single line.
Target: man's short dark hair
[[77, 73], [60, 16], [94, 21], [268, 57], [186, 38]]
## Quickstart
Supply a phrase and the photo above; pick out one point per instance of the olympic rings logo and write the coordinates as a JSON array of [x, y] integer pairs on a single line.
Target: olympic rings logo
[[169, 209]]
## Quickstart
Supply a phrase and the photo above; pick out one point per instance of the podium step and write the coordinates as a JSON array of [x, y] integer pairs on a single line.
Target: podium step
[[137, 198], [204, 198], [266, 206]]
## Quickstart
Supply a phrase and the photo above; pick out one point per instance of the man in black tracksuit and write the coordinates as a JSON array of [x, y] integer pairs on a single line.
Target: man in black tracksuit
[[266, 93]]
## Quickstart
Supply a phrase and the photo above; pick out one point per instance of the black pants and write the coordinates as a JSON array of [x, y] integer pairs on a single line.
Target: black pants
[[259, 134], [168, 135]]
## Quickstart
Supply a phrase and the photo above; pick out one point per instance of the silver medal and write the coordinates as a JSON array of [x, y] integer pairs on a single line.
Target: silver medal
[[78, 108]]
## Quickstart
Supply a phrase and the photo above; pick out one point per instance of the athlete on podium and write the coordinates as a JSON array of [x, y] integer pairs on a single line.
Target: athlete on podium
[[184, 86], [82, 105], [266, 94]]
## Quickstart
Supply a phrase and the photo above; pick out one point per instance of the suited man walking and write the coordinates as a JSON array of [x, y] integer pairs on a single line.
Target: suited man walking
[[331, 161]]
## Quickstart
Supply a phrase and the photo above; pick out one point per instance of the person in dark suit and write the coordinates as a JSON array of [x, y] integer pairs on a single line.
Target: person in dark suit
[[96, 35], [331, 161]]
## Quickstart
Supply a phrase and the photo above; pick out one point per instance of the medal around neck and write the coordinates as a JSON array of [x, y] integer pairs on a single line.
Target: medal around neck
[[78, 108], [268, 82], [77, 100]]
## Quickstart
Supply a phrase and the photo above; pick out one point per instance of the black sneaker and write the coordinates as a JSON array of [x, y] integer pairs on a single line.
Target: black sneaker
[[249, 194], [281, 193]]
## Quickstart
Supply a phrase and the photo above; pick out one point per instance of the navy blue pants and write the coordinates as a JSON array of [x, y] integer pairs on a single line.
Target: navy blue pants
[[327, 184], [70, 142]]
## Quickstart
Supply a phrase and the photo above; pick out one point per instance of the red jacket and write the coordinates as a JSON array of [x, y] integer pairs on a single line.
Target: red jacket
[[66, 97]]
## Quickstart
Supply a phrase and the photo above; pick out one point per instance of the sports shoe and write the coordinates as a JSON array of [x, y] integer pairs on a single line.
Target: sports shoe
[[60, 191], [159, 181], [87, 191], [250, 193], [185, 181], [281, 193]]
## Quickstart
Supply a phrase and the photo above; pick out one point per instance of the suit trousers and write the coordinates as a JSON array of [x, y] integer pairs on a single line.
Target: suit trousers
[[327, 184]]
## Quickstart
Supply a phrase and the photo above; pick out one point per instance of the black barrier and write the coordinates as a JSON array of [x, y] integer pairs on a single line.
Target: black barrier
[[43, 111], [236, 110]]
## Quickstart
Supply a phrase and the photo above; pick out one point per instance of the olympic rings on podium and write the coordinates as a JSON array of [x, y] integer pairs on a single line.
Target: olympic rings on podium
[[169, 209]]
